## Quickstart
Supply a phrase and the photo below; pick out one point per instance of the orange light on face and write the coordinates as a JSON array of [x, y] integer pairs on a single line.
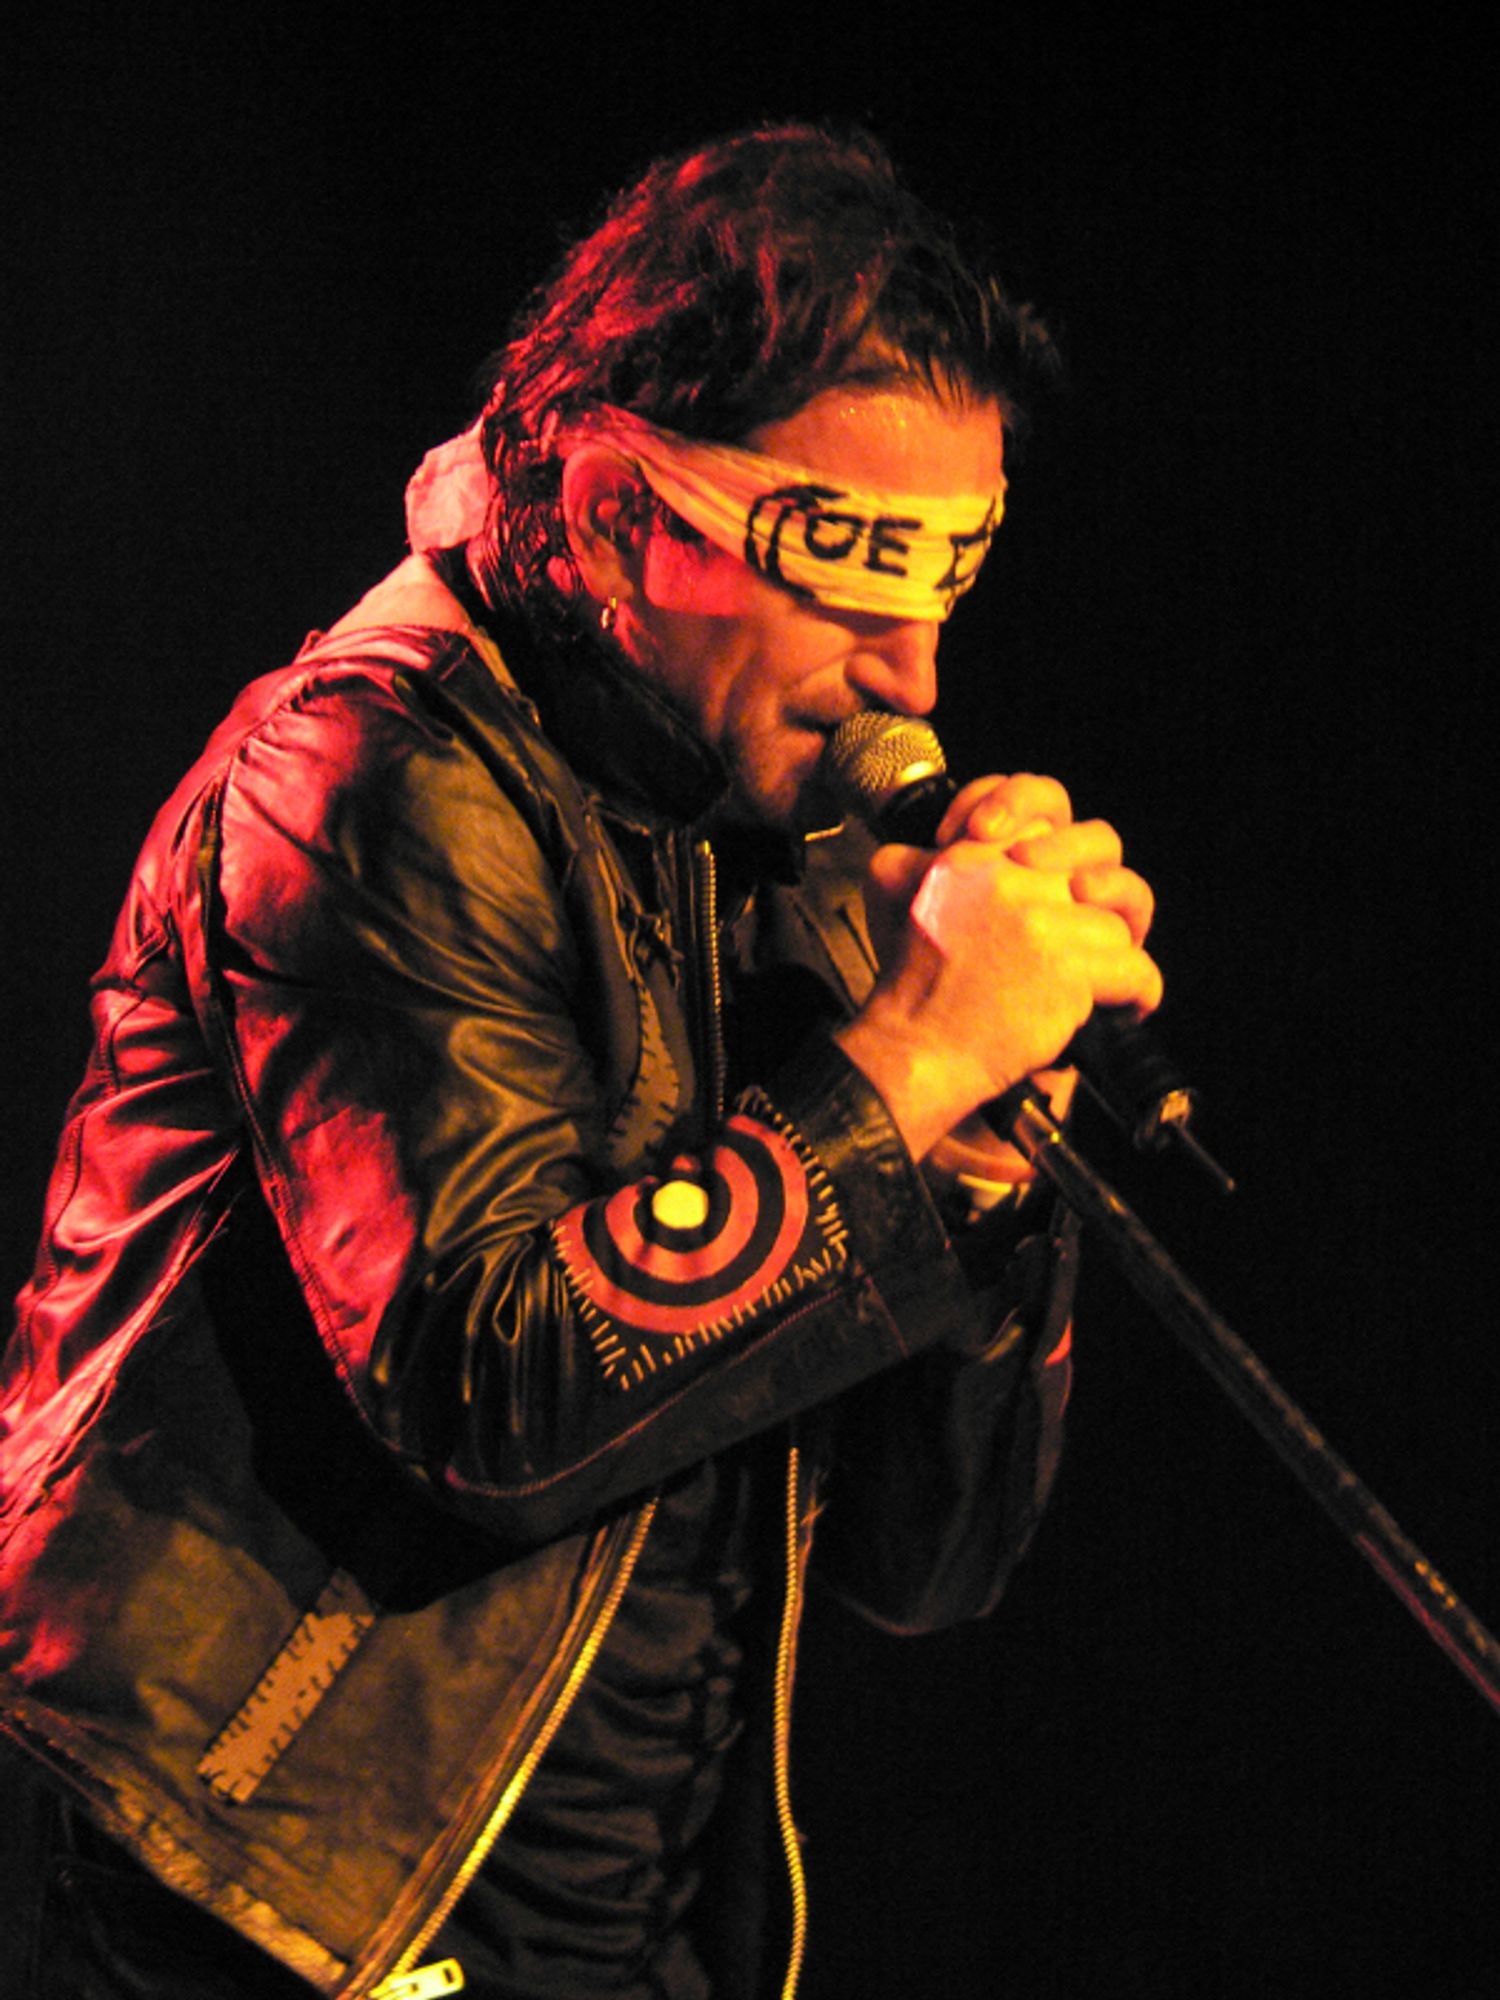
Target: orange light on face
[[697, 577]]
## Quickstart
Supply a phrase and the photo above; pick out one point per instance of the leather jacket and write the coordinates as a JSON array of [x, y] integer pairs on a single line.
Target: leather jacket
[[408, 1230]]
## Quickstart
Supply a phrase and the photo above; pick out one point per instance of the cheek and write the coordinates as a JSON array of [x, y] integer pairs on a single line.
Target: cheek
[[682, 576]]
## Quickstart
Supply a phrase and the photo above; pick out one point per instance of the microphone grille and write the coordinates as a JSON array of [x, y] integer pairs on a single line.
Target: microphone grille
[[875, 755]]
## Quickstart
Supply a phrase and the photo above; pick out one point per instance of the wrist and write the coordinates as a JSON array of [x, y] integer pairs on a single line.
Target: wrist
[[926, 1092]]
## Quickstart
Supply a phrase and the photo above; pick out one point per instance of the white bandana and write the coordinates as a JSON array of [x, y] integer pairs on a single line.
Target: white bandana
[[895, 555]]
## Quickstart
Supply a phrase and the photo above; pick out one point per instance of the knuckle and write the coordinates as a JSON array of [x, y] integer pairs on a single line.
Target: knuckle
[[1105, 844], [1034, 793]]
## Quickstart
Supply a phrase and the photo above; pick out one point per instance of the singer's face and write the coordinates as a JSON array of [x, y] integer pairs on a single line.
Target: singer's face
[[766, 677]]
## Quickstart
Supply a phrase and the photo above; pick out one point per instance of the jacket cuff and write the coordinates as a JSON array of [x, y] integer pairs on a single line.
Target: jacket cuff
[[896, 1235]]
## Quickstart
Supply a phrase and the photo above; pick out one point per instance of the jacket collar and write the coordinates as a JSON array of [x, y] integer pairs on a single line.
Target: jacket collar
[[614, 728], [619, 735]]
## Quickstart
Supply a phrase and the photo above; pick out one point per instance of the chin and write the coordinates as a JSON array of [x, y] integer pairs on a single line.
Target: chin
[[817, 809], [790, 797], [799, 811], [770, 799], [767, 815]]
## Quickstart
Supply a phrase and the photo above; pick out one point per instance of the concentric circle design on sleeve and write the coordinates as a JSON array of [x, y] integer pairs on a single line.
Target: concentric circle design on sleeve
[[668, 1263]]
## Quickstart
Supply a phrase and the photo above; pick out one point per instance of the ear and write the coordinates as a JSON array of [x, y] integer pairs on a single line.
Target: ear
[[606, 509]]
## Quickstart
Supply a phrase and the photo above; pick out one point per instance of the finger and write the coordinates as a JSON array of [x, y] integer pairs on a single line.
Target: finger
[[1058, 1087], [975, 1151], [976, 1154], [1121, 890], [895, 872], [1146, 985], [998, 809], [893, 877], [1127, 977], [1089, 843], [1097, 945], [982, 801]]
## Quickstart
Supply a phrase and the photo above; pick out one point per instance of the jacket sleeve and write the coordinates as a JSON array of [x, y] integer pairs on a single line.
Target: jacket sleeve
[[384, 965], [941, 1467]]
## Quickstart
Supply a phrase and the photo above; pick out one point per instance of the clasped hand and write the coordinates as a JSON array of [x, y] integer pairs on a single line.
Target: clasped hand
[[993, 953]]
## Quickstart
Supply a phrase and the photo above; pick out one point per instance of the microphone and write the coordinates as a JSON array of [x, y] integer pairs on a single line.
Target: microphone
[[890, 771]]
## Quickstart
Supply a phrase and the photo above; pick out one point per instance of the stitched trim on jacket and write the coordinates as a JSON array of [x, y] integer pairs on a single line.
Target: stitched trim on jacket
[[324, 1641], [673, 1263]]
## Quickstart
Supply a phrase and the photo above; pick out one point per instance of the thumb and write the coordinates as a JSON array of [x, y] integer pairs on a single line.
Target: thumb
[[894, 877], [896, 872]]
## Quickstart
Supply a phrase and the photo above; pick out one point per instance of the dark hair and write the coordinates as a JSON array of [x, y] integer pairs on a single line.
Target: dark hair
[[720, 293]]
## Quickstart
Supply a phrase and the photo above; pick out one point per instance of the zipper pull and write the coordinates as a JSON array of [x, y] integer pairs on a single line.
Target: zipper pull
[[425, 1983]]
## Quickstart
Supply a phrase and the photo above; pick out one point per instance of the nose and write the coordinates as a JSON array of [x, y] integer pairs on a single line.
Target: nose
[[897, 667]]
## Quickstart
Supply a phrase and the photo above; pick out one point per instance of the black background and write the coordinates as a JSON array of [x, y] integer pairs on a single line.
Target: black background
[[1241, 604]]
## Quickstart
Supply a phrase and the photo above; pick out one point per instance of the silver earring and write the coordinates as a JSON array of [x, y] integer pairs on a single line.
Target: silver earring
[[609, 615]]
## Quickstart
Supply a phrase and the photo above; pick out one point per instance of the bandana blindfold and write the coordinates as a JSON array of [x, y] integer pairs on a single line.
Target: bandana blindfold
[[892, 555]]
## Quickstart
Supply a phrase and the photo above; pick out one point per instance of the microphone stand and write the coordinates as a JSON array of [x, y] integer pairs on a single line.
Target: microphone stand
[[1392, 1554]]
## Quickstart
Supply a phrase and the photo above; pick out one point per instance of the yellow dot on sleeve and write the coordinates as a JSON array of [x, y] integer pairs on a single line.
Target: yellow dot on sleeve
[[679, 1205]]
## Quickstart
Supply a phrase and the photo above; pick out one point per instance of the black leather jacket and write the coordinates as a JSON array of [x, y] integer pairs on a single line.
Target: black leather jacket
[[400, 1245]]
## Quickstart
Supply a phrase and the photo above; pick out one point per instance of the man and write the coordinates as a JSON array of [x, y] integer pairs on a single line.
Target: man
[[505, 1203]]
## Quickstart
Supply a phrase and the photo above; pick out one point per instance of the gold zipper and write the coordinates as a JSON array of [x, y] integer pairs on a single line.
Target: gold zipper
[[706, 877], [510, 1798], [786, 1659]]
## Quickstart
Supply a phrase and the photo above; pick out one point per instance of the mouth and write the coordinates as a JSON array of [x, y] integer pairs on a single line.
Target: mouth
[[818, 803], [822, 727], [807, 737]]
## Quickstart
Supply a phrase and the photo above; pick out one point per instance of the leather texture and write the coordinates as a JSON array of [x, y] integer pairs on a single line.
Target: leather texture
[[356, 1212]]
